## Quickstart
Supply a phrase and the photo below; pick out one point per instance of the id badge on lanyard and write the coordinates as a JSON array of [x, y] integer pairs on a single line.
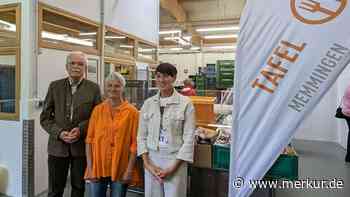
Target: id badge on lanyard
[[163, 140]]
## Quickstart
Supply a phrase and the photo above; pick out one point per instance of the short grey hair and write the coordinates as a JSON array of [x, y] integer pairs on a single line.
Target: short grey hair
[[69, 57], [188, 82], [116, 76]]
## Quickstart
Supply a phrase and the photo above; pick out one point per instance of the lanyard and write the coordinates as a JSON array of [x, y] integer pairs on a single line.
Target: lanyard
[[161, 109]]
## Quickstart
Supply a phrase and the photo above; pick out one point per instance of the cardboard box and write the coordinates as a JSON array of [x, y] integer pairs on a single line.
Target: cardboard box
[[204, 109], [203, 155]]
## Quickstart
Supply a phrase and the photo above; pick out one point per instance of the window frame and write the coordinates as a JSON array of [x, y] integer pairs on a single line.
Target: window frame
[[121, 61], [142, 59], [117, 55], [17, 52], [66, 46]]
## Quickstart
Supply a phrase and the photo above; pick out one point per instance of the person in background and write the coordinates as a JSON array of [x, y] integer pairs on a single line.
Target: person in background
[[165, 137], [67, 108], [111, 142], [188, 89], [346, 111]]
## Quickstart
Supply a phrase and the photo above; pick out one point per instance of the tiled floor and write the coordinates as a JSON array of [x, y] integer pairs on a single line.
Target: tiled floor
[[317, 160]]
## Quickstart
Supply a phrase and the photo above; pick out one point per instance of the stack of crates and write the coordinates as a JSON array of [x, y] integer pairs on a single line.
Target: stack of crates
[[224, 74], [285, 167], [200, 85], [211, 77]]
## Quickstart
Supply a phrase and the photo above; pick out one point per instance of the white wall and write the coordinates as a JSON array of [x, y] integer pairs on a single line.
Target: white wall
[[192, 61], [10, 155], [87, 8], [51, 67], [321, 125], [40, 156], [140, 18]]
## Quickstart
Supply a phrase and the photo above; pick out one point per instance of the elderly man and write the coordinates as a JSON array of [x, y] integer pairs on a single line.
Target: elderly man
[[67, 108]]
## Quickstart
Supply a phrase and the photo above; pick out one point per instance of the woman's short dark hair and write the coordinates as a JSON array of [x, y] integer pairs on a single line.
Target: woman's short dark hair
[[167, 68]]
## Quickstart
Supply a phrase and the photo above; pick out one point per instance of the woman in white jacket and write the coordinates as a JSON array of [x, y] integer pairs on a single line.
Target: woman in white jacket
[[165, 137]]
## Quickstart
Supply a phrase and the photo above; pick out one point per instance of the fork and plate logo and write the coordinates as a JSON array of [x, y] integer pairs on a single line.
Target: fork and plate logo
[[315, 12]]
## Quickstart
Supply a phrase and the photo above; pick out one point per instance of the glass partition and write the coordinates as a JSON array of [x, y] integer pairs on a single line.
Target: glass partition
[[65, 31], [118, 44], [8, 29], [147, 51], [9, 61]]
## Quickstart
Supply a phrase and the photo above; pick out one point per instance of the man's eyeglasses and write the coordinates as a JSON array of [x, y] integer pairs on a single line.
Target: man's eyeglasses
[[77, 63]]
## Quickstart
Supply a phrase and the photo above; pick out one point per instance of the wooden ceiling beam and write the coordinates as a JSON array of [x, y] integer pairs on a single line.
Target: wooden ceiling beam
[[179, 13], [175, 9]]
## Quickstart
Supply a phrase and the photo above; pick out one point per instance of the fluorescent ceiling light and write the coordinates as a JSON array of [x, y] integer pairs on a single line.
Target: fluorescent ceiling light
[[221, 36], [126, 46], [78, 41], [170, 31], [145, 50], [170, 49], [175, 49], [210, 29], [195, 48], [223, 47], [187, 38], [8, 26], [115, 37], [53, 36], [88, 34], [145, 56], [66, 38], [172, 38], [182, 41]]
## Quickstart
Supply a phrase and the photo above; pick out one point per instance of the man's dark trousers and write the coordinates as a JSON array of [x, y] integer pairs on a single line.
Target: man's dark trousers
[[58, 172]]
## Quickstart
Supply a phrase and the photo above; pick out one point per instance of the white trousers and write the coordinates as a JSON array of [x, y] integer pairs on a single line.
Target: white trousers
[[174, 186]]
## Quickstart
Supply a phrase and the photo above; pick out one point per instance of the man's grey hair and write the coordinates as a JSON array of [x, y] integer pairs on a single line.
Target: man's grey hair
[[69, 57], [116, 76]]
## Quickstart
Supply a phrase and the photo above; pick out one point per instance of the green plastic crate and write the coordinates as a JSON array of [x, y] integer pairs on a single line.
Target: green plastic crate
[[224, 84], [225, 62], [286, 167], [226, 75], [225, 69], [221, 157]]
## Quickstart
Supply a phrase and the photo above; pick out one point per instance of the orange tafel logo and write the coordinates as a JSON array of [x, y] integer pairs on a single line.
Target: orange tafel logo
[[314, 12]]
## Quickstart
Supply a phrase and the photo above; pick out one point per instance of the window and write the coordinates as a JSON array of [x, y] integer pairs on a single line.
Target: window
[[65, 31], [8, 29], [126, 68], [147, 52], [118, 44], [92, 70], [9, 62], [7, 83]]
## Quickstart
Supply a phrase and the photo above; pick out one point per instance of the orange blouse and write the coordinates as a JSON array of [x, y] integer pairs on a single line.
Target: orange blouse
[[112, 139]]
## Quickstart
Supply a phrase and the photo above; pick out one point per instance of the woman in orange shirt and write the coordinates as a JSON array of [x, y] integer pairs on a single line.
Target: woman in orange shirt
[[111, 142]]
